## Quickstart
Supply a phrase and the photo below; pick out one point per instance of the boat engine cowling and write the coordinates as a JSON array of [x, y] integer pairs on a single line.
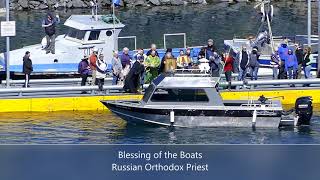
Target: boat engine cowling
[[304, 110]]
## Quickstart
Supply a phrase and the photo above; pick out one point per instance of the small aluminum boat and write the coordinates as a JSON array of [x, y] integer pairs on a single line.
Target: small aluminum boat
[[194, 101]]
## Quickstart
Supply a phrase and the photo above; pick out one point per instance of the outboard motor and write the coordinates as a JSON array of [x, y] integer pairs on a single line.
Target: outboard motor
[[304, 110]]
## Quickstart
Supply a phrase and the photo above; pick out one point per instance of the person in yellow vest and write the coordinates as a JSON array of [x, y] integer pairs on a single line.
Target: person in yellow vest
[[152, 64], [183, 61]]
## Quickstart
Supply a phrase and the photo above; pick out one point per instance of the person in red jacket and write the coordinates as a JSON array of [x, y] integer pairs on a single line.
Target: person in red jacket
[[228, 67]]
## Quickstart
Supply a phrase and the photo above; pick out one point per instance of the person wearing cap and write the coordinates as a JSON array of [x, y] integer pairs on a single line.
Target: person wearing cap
[[27, 68], [210, 49], [275, 63], [243, 58], [93, 64], [299, 54], [116, 68], [49, 24], [132, 80], [254, 64], [101, 72], [153, 48], [84, 70], [291, 65]]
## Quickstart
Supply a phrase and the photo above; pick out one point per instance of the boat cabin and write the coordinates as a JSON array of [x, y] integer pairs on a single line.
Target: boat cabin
[[101, 31], [183, 90]]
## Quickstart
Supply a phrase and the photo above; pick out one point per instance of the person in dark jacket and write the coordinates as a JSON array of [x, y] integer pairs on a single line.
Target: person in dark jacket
[[210, 49], [84, 70], [132, 81], [243, 59], [254, 64], [153, 48], [299, 54], [306, 64], [215, 64], [49, 24], [27, 68]]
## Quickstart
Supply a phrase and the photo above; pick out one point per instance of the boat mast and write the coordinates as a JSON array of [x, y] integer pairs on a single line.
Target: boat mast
[[269, 27], [8, 47], [114, 25], [318, 59], [309, 23]]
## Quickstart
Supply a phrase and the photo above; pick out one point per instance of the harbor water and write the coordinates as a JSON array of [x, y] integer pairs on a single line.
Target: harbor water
[[98, 127], [217, 21]]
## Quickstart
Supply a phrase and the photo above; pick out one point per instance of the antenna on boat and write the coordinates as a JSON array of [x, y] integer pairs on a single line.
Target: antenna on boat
[[94, 9]]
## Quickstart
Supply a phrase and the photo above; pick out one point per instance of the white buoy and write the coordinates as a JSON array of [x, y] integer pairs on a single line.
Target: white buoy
[[171, 117], [254, 118]]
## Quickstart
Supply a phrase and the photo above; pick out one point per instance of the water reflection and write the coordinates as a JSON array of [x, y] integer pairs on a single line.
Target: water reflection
[[99, 127]]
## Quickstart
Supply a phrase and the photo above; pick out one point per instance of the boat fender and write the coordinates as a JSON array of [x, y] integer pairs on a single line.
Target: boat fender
[[44, 43], [254, 118], [172, 117], [304, 110]]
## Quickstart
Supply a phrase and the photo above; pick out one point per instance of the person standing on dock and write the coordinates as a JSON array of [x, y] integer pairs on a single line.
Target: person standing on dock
[[306, 64], [153, 48], [49, 25], [152, 64], [299, 54], [283, 53], [93, 65], [275, 62], [84, 69], [215, 64], [126, 62], [243, 59], [132, 81], [101, 72], [291, 65], [228, 67], [27, 68], [116, 68], [254, 64], [167, 55], [210, 49]]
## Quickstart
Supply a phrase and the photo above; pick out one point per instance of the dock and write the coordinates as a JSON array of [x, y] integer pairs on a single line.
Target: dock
[[48, 95]]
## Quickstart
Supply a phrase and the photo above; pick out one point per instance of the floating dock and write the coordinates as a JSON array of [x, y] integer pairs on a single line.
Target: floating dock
[[48, 95], [92, 102]]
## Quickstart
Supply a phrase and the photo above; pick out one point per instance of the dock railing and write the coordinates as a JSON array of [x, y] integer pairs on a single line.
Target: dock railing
[[108, 88], [175, 34]]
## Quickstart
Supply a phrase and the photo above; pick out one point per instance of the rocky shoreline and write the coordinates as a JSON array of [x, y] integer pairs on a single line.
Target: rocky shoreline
[[71, 4]]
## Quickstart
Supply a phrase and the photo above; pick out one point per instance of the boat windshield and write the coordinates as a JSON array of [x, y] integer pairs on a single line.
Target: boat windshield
[[148, 92], [179, 95], [75, 33]]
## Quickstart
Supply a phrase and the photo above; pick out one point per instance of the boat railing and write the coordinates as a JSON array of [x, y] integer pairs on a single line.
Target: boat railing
[[130, 37], [175, 34], [109, 89]]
